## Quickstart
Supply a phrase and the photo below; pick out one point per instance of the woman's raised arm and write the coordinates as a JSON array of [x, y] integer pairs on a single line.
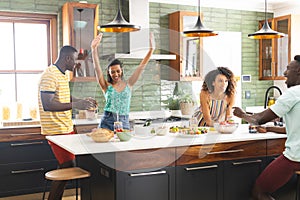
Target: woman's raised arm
[[99, 74]]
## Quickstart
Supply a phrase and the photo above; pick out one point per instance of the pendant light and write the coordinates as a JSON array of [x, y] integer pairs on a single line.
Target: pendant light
[[266, 32], [80, 55], [119, 24], [199, 30]]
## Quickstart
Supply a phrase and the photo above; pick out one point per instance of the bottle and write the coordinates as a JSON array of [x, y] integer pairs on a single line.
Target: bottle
[[118, 127], [193, 122], [252, 128], [271, 101], [80, 55]]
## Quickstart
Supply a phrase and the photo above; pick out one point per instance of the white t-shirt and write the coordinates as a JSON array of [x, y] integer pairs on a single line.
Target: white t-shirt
[[288, 107]]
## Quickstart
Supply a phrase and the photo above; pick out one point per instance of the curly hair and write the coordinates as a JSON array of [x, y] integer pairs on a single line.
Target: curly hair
[[297, 58], [112, 63], [211, 77]]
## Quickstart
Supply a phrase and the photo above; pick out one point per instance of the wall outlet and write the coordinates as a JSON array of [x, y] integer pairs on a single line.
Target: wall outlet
[[247, 94]]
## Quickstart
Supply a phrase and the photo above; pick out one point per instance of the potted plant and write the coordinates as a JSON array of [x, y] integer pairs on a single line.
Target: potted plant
[[173, 101], [180, 101], [186, 104]]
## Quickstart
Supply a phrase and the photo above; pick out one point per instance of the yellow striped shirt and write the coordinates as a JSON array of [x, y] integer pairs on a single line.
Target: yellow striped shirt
[[52, 123]]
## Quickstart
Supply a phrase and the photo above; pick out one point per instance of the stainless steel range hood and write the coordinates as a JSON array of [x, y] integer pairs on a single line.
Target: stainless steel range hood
[[135, 45]]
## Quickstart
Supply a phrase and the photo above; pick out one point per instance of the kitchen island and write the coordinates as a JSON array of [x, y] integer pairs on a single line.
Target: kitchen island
[[211, 165]]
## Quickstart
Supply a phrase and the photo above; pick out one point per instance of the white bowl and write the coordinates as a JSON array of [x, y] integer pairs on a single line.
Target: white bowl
[[226, 128], [162, 130], [142, 130]]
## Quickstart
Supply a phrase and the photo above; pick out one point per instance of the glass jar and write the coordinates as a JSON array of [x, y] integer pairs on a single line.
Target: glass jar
[[118, 126]]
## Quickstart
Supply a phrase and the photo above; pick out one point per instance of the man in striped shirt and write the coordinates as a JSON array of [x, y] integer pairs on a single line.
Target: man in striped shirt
[[55, 106]]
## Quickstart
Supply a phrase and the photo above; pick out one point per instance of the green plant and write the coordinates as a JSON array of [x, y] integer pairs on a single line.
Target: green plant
[[186, 98], [173, 101]]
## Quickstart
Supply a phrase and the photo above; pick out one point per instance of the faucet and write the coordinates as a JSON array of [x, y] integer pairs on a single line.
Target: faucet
[[267, 94]]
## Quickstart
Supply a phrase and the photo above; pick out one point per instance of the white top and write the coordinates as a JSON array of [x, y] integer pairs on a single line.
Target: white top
[[288, 107], [81, 144]]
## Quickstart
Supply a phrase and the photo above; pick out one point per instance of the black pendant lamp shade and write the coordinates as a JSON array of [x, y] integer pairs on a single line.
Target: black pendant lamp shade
[[266, 32], [119, 24], [199, 30]]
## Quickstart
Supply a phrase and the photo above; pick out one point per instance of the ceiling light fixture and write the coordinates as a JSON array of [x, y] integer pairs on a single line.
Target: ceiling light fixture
[[199, 30], [119, 24], [266, 32]]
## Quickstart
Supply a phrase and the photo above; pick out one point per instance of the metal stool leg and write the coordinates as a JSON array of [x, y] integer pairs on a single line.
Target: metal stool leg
[[45, 188], [76, 189], [298, 187]]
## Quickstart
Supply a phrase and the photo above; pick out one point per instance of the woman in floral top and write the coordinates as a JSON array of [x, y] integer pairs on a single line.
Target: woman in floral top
[[117, 91]]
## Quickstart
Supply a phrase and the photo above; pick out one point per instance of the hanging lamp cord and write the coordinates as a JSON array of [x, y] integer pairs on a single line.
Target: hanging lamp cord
[[80, 31], [199, 8], [266, 10]]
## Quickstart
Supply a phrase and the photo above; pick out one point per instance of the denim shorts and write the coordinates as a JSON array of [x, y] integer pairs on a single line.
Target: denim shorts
[[108, 119]]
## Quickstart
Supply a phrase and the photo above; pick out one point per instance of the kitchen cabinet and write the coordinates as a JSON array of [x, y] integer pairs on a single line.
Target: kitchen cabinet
[[188, 51], [79, 24], [146, 174], [24, 159], [275, 54], [225, 180], [199, 180], [223, 171], [146, 184], [239, 177]]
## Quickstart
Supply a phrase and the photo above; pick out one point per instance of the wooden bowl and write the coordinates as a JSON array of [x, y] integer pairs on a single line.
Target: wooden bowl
[[101, 135]]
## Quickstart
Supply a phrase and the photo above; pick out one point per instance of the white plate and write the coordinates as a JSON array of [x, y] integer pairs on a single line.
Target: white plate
[[189, 135], [194, 135]]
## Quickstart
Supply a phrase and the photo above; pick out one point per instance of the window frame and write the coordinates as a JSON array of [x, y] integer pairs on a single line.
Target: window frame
[[49, 19]]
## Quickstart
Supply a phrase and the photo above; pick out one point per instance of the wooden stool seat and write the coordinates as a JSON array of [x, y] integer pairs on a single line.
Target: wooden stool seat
[[67, 174]]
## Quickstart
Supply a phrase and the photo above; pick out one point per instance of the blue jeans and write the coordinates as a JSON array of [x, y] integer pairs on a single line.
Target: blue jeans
[[109, 118]]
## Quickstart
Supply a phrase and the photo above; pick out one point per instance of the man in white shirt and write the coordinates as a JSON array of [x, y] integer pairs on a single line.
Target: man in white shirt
[[280, 171]]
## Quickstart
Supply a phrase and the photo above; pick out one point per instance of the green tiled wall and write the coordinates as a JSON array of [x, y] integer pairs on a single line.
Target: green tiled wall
[[149, 90]]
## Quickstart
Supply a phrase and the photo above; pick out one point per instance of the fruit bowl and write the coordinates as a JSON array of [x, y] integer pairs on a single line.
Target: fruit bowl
[[125, 135], [224, 127]]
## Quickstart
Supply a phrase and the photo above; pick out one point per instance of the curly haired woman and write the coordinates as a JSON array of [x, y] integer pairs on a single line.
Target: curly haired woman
[[217, 97]]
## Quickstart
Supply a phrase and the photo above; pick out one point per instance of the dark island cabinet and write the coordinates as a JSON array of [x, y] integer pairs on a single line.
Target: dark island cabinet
[[239, 177], [148, 184], [146, 174], [221, 171], [201, 181]]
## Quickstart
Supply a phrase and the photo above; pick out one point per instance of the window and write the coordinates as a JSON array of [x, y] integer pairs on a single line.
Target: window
[[27, 43]]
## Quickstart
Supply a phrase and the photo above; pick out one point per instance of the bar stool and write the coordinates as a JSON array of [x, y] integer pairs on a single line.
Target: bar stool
[[298, 185], [66, 174]]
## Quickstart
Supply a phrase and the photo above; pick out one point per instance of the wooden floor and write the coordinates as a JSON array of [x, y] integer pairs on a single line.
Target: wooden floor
[[68, 195]]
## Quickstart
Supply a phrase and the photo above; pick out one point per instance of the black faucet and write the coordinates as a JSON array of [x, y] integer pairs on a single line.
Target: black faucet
[[267, 94]]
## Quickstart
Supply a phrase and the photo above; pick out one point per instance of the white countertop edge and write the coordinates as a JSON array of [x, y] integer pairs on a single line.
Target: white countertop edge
[[81, 144]]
